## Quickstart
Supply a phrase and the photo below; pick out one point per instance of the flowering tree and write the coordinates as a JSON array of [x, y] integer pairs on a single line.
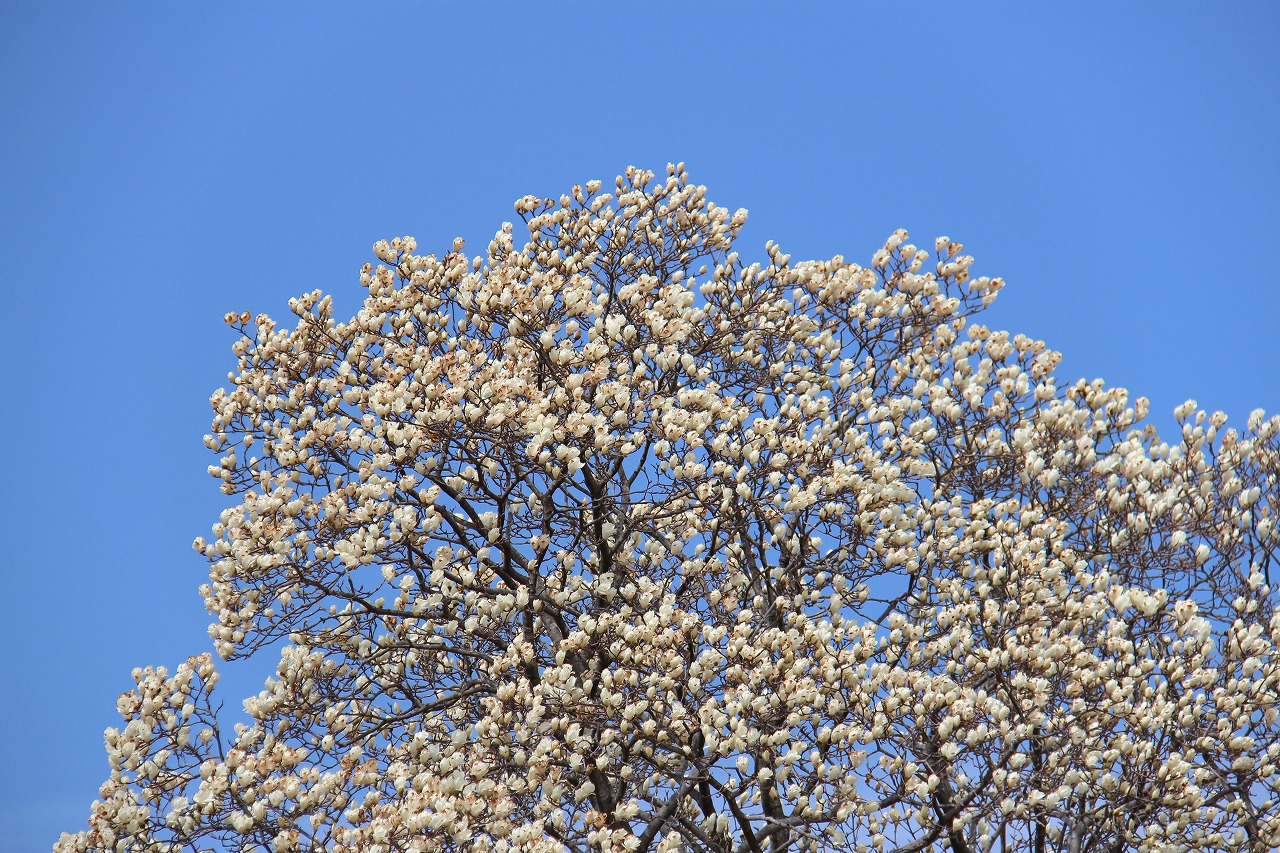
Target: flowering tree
[[611, 541]]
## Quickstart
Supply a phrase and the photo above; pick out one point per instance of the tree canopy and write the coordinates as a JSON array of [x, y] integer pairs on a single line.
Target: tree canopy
[[608, 539]]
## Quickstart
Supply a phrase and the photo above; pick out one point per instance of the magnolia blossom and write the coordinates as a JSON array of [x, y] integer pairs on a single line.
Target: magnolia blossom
[[608, 539]]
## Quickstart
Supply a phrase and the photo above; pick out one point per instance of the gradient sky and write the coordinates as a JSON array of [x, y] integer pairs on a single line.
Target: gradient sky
[[161, 164]]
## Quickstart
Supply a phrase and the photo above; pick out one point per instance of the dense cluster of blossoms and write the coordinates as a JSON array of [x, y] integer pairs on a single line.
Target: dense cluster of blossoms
[[609, 540]]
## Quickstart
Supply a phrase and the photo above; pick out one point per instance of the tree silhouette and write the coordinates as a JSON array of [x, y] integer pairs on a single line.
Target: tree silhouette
[[609, 540]]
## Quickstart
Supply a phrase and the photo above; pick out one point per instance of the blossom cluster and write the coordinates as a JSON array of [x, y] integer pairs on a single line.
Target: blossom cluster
[[607, 539]]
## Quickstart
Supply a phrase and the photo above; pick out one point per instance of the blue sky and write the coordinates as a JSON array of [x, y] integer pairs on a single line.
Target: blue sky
[[161, 164]]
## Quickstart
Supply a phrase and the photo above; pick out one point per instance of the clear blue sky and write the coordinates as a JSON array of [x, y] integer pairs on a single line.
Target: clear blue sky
[[161, 164]]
